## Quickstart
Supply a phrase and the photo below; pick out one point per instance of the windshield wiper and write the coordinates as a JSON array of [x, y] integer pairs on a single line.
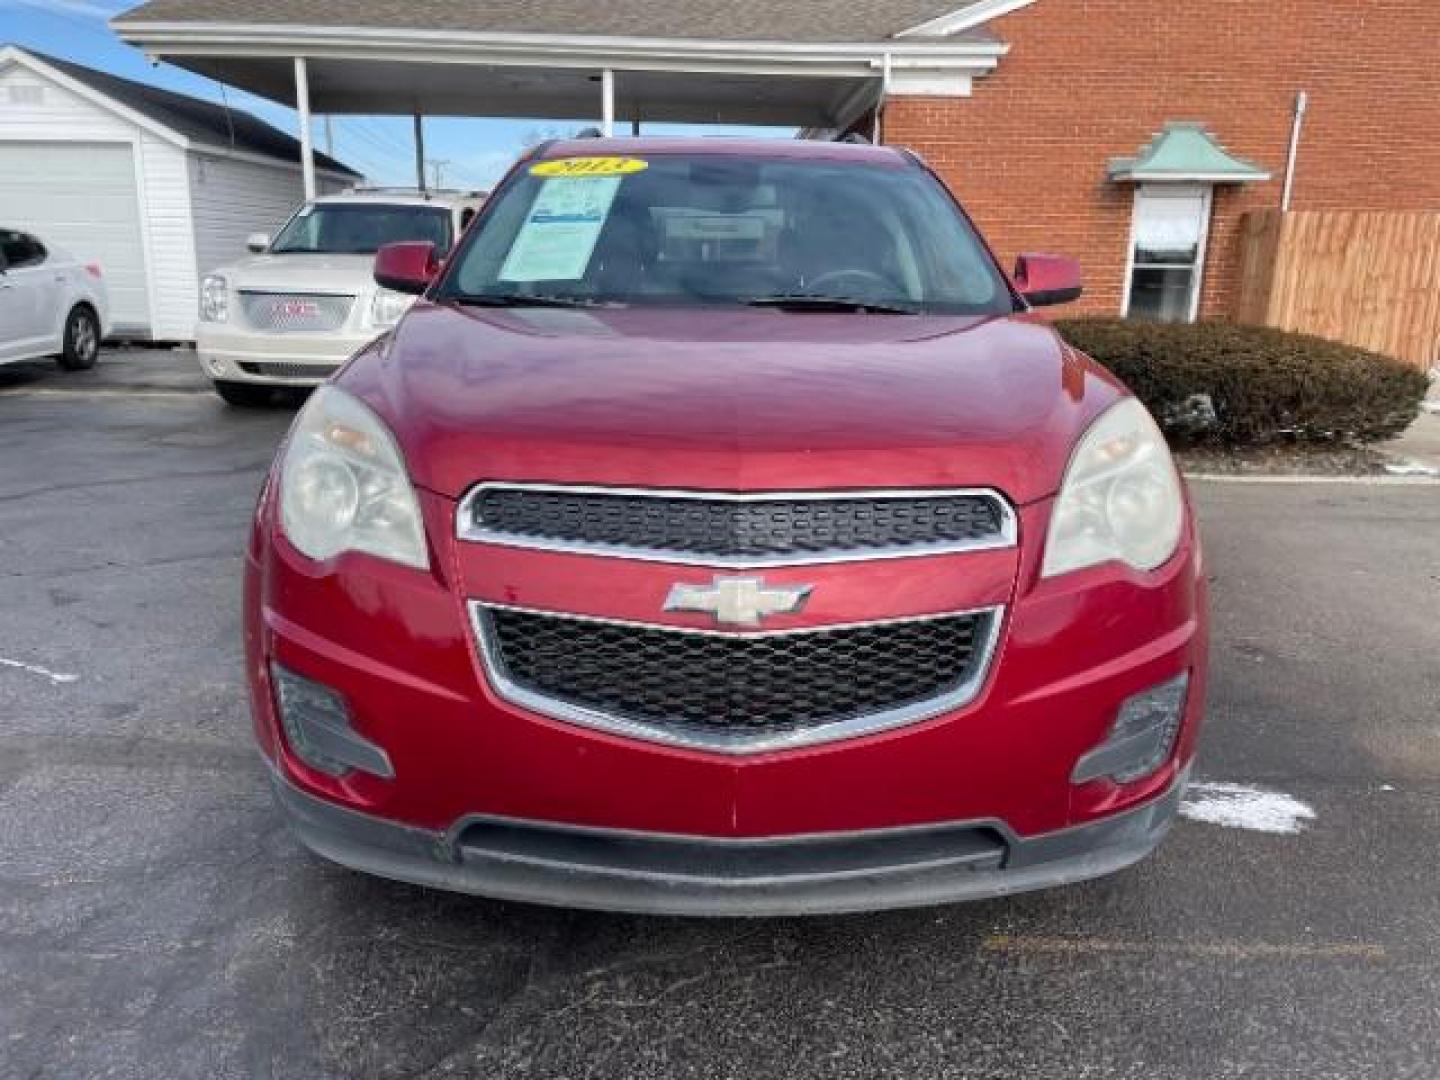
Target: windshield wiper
[[811, 302], [530, 300]]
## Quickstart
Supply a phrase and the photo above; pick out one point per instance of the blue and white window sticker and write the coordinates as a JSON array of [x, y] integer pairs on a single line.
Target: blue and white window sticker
[[558, 237]]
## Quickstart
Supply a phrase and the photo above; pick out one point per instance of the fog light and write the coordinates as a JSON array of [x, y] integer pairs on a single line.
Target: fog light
[[217, 365], [1141, 739], [317, 727]]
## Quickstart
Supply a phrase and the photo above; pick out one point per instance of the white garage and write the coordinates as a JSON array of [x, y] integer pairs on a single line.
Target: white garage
[[156, 187], [82, 198]]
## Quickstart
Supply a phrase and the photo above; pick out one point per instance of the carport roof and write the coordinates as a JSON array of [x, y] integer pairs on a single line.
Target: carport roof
[[748, 20], [807, 63]]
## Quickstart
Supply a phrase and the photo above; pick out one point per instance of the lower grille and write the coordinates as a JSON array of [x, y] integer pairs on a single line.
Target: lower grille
[[286, 370], [295, 312], [738, 693], [707, 860]]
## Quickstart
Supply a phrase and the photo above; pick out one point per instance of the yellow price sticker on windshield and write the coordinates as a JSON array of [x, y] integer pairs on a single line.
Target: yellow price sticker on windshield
[[589, 166]]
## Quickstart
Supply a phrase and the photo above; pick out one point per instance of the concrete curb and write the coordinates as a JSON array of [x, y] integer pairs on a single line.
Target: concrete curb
[[1308, 478]]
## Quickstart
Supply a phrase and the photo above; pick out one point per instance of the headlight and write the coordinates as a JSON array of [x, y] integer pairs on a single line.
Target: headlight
[[1120, 499], [388, 306], [343, 485], [214, 299]]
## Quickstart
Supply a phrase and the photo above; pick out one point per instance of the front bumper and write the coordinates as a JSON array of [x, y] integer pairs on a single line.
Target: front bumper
[[396, 645], [665, 874], [233, 354]]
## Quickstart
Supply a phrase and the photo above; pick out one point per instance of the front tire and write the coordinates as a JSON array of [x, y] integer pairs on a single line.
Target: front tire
[[82, 339], [243, 395]]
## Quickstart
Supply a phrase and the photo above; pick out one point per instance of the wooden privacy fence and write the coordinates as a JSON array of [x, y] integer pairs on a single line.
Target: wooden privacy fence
[[1370, 279]]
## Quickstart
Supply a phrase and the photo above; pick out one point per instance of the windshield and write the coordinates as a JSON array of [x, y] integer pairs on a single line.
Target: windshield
[[361, 228], [720, 229]]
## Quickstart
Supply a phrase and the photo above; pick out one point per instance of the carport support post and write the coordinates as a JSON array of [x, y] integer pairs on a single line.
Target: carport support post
[[420, 152], [607, 114], [302, 107]]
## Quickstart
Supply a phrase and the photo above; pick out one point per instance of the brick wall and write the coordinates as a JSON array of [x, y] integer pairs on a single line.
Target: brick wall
[[1087, 80]]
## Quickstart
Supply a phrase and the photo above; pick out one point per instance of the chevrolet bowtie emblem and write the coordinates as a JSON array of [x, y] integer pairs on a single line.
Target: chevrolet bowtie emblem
[[738, 601]]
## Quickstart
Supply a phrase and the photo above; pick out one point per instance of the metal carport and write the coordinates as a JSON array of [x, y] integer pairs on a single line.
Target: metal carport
[[811, 63]]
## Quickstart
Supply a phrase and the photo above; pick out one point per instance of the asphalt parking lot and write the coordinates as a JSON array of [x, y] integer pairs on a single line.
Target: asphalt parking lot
[[157, 921]]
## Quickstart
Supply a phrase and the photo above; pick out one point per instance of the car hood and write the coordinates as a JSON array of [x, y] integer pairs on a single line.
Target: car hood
[[303, 273], [730, 399]]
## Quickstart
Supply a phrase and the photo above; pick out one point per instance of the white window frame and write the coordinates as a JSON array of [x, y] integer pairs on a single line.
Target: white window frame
[[1171, 191]]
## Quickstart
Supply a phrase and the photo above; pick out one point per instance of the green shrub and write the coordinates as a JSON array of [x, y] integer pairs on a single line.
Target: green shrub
[[1244, 385]]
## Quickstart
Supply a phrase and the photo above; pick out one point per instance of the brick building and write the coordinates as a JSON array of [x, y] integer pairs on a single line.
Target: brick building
[[1024, 106], [1086, 80]]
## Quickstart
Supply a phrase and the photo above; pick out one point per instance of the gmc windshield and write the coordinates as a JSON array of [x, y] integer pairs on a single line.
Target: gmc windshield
[[355, 229]]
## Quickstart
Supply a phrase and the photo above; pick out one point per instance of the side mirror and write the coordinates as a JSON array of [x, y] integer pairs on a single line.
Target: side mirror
[[258, 242], [407, 267], [1045, 280]]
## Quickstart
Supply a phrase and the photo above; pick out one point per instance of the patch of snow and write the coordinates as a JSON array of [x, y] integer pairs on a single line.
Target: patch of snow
[[1410, 468], [36, 669], [1193, 415], [1239, 806]]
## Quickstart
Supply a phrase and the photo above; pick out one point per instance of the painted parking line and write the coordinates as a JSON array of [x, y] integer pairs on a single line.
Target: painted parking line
[[1221, 949], [102, 392], [35, 669]]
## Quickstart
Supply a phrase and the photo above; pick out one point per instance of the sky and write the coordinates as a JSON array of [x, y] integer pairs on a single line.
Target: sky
[[475, 151]]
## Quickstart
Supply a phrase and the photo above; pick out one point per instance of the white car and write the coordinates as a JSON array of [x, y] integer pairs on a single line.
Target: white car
[[307, 300], [51, 304]]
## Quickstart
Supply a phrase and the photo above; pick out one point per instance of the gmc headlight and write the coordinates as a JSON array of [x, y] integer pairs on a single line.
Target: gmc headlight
[[214, 299], [1120, 499], [387, 307], [343, 485]]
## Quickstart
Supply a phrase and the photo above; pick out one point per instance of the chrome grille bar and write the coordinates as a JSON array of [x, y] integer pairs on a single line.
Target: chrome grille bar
[[737, 529]]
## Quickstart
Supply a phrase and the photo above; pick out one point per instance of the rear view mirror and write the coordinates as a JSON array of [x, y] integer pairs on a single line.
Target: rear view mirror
[[406, 267], [258, 242], [1045, 280]]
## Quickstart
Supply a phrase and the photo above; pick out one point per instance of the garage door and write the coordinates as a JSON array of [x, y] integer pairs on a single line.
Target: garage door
[[81, 197]]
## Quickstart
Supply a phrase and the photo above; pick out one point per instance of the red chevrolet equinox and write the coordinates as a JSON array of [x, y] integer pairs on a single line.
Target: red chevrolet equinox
[[721, 534]]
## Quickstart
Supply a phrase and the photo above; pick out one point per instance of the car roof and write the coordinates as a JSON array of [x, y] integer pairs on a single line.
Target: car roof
[[772, 149]]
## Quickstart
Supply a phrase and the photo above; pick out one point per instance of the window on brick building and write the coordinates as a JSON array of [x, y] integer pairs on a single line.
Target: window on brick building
[[1167, 252]]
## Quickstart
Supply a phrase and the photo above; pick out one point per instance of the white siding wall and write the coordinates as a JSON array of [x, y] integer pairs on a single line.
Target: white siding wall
[[33, 109], [44, 111], [231, 199], [165, 217]]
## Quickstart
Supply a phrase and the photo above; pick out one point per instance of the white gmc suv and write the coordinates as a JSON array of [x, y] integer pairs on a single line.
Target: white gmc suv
[[306, 300]]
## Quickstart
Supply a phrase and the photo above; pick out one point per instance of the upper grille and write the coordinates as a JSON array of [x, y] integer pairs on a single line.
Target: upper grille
[[296, 312], [749, 530], [736, 692]]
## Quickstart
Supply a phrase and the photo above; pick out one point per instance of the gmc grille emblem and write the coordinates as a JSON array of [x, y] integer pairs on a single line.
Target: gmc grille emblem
[[295, 309], [738, 601]]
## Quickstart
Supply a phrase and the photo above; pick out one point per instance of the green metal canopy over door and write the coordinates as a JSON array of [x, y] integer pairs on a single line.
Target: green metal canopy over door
[[1188, 154]]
